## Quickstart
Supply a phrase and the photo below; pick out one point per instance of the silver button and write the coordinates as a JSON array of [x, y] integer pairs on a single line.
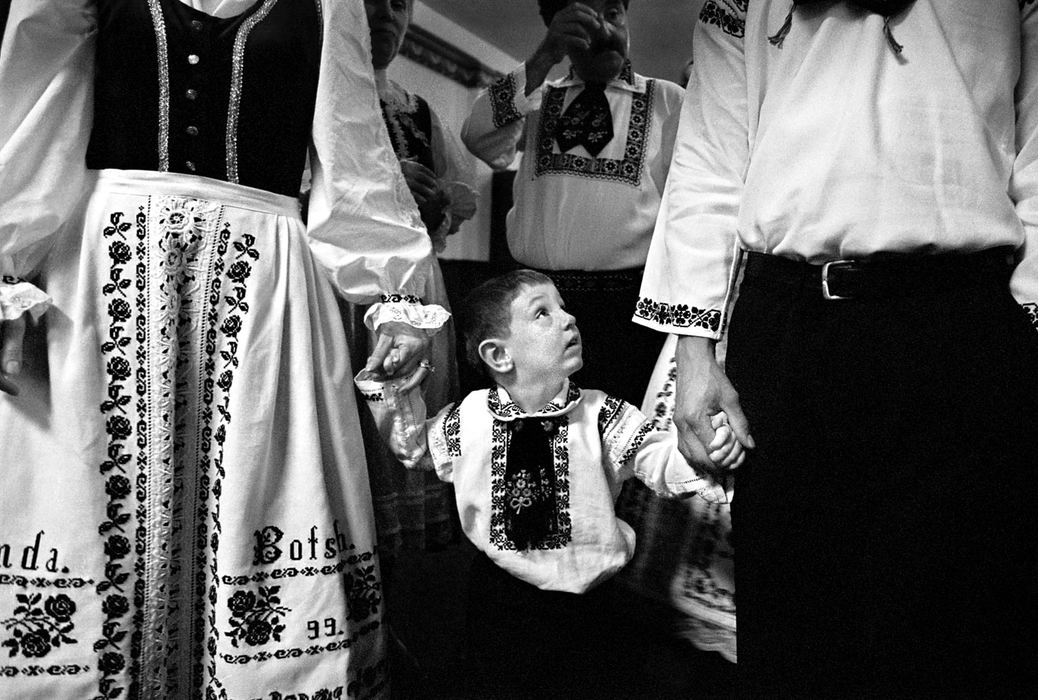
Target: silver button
[[197, 25], [192, 131], [191, 93], [193, 59], [190, 165]]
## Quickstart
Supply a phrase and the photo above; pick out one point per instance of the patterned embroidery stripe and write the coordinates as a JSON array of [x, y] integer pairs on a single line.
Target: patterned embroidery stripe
[[26, 582], [502, 101], [452, 431], [398, 298], [636, 442], [54, 670], [607, 414], [726, 15], [1030, 308], [292, 572], [679, 315], [627, 170], [296, 652], [8, 279]]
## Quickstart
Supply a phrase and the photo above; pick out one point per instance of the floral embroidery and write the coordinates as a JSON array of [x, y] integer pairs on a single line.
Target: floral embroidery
[[36, 630], [1032, 310], [679, 315], [452, 430], [507, 411], [501, 493], [628, 170], [400, 298], [502, 101], [256, 618], [363, 593], [729, 15]]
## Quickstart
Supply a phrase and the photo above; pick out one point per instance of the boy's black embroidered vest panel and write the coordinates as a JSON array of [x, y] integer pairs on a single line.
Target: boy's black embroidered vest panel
[[178, 90]]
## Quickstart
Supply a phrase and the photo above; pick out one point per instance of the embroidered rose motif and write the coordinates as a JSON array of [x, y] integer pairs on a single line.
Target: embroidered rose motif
[[115, 606], [231, 325], [241, 602], [120, 253], [111, 663], [119, 309], [118, 487], [256, 616], [239, 271], [225, 380], [117, 547], [118, 368], [119, 427], [59, 607], [37, 629]]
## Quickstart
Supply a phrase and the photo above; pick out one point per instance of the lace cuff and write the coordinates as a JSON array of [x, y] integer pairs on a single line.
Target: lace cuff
[[406, 309], [18, 297]]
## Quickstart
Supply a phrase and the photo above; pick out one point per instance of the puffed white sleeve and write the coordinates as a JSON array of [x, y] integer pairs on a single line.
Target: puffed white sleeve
[[1024, 181], [633, 447], [363, 224], [689, 271], [495, 124], [454, 171], [46, 93]]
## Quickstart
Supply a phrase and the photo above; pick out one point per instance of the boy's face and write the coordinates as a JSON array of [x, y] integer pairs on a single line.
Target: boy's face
[[543, 340]]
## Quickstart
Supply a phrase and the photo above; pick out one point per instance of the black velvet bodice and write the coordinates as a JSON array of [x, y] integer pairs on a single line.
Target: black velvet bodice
[[410, 130], [231, 99]]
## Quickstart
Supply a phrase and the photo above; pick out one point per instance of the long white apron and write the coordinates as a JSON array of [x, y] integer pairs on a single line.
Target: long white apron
[[185, 509]]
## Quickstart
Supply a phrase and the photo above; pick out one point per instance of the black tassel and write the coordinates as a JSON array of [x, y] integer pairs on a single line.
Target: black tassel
[[894, 46], [778, 37]]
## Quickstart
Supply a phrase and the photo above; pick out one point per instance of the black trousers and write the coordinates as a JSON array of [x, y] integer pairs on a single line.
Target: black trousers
[[619, 355], [885, 528]]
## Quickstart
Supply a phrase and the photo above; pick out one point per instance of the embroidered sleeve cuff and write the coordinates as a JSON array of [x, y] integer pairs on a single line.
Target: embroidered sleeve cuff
[[18, 297], [680, 319], [508, 99], [406, 309]]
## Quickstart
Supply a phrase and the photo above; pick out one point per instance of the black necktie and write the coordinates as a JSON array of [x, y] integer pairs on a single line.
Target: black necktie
[[586, 122], [531, 511]]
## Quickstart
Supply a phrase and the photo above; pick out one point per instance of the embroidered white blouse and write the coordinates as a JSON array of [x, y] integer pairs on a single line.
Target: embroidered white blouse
[[601, 441], [834, 147], [573, 211], [364, 227]]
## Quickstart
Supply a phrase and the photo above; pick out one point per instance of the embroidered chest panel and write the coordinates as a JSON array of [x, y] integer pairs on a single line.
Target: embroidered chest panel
[[501, 491], [627, 170]]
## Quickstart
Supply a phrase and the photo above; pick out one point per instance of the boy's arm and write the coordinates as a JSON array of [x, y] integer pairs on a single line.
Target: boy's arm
[[632, 446]]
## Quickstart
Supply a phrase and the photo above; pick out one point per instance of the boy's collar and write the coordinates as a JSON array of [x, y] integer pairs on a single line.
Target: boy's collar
[[501, 406]]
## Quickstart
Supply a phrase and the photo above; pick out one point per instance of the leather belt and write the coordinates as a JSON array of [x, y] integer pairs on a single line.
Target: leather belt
[[884, 275]]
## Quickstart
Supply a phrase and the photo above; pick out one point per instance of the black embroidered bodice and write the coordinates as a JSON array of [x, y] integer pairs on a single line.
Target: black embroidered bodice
[[410, 130], [233, 99]]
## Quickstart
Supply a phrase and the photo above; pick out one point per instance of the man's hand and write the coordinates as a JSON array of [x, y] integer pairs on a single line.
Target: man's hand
[[701, 394], [572, 27], [398, 350], [11, 335]]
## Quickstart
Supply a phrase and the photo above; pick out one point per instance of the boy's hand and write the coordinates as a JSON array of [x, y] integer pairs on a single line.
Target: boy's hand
[[726, 452]]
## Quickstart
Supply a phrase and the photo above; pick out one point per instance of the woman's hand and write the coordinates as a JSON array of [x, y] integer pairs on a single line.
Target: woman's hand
[[400, 350], [11, 335]]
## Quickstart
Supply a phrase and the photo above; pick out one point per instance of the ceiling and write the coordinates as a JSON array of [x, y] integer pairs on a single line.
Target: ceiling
[[661, 30]]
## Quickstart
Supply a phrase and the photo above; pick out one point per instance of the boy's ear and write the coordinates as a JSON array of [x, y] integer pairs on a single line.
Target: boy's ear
[[494, 354]]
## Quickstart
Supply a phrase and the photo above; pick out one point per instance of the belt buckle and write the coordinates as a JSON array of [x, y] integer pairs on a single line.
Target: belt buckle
[[826, 294]]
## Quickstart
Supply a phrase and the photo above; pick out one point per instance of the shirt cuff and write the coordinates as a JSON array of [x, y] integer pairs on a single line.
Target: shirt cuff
[[508, 99], [18, 297], [679, 319], [406, 309]]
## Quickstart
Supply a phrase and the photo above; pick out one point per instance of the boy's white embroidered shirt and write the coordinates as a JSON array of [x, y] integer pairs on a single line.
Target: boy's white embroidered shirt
[[600, 442]]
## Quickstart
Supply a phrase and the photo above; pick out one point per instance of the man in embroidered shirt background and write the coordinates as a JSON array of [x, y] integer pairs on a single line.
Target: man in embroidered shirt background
[[877, 161], [597, 146]]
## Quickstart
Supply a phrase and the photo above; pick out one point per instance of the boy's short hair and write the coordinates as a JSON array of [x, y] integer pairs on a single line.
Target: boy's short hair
[[548, 8], [486, 312]]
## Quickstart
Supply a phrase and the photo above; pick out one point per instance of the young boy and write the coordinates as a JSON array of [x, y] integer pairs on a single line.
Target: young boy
[[537, 464]]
